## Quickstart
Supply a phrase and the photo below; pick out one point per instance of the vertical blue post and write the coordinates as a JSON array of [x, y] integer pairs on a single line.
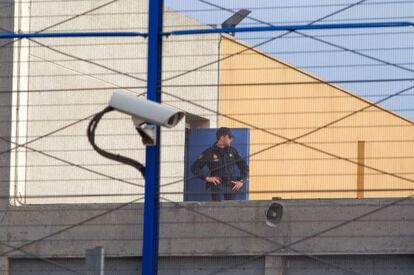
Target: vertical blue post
[[152, 162]]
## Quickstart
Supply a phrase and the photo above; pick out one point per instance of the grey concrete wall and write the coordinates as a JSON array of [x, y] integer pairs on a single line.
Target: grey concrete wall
[[188, 232], [6, 73], [192, 243]]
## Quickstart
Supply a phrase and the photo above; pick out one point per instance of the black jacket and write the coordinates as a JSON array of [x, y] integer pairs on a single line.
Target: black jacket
[[221, 163]]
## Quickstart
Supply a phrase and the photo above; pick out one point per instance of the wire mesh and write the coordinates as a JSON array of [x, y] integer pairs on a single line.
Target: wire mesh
[[328, 116]]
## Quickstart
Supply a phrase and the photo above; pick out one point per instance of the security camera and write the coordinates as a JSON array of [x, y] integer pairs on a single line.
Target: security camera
[[145, 110], [145, 114]]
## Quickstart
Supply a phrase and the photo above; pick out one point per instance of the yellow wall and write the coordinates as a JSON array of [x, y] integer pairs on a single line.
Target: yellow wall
[[292, 110]]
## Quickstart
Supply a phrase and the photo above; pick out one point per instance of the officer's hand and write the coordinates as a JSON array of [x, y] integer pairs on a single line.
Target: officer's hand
[[213, 180], [237, 185]]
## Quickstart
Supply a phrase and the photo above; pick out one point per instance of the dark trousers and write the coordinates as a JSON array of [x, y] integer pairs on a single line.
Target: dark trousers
[[223, 192]]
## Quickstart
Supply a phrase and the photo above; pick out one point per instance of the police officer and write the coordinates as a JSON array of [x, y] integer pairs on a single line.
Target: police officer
[[221, 160]]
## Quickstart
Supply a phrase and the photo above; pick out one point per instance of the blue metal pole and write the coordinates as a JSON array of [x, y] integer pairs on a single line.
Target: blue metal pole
[[152, 162], [208, 31], [12, 35], [292, 28]]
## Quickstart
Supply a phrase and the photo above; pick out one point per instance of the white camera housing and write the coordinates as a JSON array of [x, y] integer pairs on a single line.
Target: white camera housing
[[146, 112]]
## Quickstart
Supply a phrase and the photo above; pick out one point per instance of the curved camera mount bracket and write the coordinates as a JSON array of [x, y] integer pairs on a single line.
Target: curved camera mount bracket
[[148, 132]]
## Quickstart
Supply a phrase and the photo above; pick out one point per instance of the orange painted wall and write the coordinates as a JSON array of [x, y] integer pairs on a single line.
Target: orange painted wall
[[257, 90]]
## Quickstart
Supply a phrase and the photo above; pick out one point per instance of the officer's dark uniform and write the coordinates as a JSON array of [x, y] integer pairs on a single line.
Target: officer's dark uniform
[[222, 163]]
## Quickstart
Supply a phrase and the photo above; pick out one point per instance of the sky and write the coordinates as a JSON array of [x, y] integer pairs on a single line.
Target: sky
[[378, 48]]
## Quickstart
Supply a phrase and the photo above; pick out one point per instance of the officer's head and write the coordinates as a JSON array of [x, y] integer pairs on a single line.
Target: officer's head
[[224, 136]]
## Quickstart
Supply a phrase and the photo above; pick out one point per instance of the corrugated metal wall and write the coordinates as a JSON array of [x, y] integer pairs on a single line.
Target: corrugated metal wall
[[367, 265], [132, 266], [263, 91], [65, 88]]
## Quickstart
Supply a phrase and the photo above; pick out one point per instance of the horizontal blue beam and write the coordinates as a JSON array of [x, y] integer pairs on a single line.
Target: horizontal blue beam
[[208, 31], [292, 28], [70, 34]]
